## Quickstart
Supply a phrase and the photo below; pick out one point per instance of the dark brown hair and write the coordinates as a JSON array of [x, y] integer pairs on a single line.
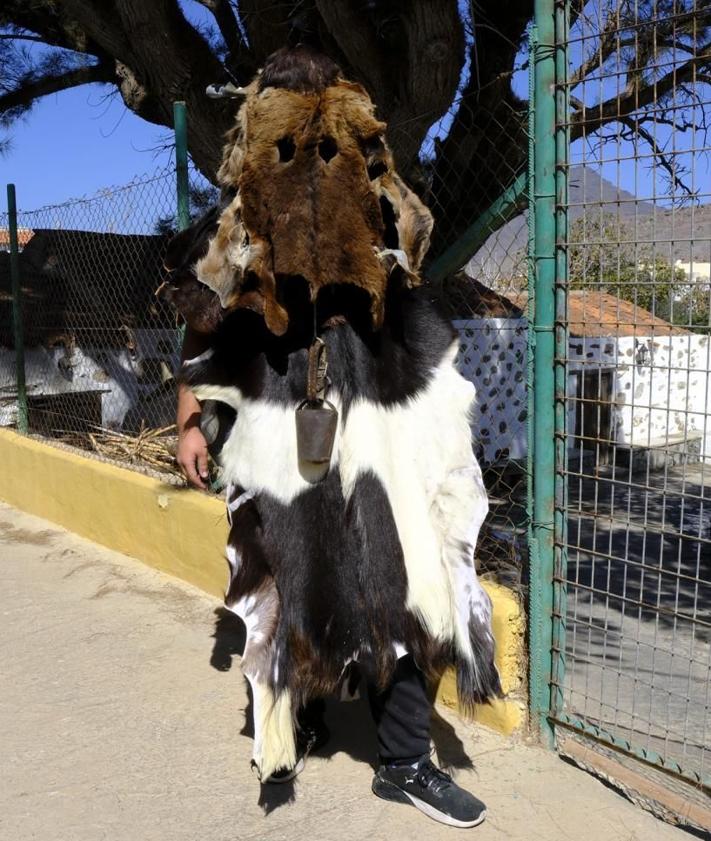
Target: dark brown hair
[[299, 68]]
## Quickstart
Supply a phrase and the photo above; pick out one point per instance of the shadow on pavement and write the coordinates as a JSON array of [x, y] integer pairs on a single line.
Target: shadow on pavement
[[351, 725]]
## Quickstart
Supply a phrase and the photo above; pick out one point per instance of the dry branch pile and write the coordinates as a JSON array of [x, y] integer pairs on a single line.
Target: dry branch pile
[[149, 447]]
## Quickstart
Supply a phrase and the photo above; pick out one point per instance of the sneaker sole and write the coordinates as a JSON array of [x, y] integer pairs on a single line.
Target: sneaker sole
[[388, 791]]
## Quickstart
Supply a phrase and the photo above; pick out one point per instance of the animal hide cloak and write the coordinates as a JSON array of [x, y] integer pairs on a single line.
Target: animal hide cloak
[[376, 560]]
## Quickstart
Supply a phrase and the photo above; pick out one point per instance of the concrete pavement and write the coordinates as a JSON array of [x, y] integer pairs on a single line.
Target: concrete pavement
[[122, 716]]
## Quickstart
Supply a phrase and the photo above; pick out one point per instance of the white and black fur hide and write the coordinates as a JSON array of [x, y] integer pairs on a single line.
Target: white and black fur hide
[[377, 560]]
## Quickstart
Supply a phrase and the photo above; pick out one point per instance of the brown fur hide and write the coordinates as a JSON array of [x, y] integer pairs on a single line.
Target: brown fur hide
[[317, 197]]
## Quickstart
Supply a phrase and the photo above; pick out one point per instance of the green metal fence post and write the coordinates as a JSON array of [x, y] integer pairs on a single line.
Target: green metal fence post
[[531, 285], [180, 127], [18, 337], [541, 580], [511, 202], [562, 141]]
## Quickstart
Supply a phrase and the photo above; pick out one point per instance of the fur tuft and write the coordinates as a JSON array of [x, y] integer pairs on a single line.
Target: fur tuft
[[298, 68], [274, 730]]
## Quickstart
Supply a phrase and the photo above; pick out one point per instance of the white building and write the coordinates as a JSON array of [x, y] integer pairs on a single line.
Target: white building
[[637, 385], [696, 271]]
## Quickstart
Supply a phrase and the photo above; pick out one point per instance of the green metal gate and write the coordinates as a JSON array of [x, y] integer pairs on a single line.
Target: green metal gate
[[621, 533]]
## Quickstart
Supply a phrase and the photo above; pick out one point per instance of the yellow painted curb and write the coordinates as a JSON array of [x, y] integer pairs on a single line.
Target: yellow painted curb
[[508, 714], [178, 531], [182, 532]]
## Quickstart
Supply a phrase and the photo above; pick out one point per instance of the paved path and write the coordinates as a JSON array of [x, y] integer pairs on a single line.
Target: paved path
[[122, 718], [639, 610]]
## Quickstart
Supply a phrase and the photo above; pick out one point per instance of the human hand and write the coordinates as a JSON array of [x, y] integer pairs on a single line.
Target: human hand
[[191, 455]]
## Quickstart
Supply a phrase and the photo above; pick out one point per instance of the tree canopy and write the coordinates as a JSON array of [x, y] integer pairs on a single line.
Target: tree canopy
[[424, 62]]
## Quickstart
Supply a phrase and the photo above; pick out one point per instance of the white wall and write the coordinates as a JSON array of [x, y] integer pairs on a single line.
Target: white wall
[[696, 272], [492, 354], [661, 385]]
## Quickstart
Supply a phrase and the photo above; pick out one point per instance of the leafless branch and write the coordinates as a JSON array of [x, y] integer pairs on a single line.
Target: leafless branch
[[675, 178], [636, 96], [648, 39], [21, 37], [34, 88], [604, 50]]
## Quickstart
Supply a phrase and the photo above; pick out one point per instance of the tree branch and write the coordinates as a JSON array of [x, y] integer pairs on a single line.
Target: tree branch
[[103, 23], [19, 37], [636, 128], [600, 55], [648, 39], [267, 24], [353, 31], [55, 28], [25, 93], [635, 97]]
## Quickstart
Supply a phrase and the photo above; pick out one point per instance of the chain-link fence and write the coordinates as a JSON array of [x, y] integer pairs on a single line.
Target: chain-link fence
[[100, 350], [635, 669], [479, 269]]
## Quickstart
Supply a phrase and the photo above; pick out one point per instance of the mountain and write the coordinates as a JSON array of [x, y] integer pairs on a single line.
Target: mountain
[[680, 233]]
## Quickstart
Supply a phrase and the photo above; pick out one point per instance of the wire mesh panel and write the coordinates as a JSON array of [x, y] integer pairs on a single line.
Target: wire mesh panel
[[483, 290], [100, 350], [637, 658]]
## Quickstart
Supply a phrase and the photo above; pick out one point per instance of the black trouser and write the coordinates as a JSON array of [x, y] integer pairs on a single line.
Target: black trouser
[[401, 714]]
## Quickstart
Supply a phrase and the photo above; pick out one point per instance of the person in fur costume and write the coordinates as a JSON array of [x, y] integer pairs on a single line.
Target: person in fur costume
[[342, 431]]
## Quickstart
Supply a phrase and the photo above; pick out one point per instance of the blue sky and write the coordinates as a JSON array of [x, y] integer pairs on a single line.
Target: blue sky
[[75, 143]]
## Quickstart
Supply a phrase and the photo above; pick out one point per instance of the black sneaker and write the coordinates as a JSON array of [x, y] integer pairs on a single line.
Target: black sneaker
[[308, 739], [431, 791]]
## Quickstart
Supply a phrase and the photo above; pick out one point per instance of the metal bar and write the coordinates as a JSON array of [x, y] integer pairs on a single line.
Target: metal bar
[[646, 755], [18, 336], [541, 579], [658, 610], [630, 779], [531, 309], [562, 143], [509, 204], [180, 127]]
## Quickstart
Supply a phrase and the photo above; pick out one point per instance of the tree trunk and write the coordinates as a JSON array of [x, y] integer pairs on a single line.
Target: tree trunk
[[487, 142]]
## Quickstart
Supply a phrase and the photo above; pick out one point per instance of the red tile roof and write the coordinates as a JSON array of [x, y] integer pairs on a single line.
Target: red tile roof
[[24, 235], [593, 313]]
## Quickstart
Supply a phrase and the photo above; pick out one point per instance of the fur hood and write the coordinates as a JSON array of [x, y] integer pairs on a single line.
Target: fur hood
[[310, 191]]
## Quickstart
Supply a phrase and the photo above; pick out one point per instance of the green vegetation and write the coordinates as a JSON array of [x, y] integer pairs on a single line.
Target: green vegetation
[[604, 255]]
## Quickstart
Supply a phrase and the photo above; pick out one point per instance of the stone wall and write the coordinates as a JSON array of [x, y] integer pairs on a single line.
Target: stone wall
[[661, 386], [492, 355]]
